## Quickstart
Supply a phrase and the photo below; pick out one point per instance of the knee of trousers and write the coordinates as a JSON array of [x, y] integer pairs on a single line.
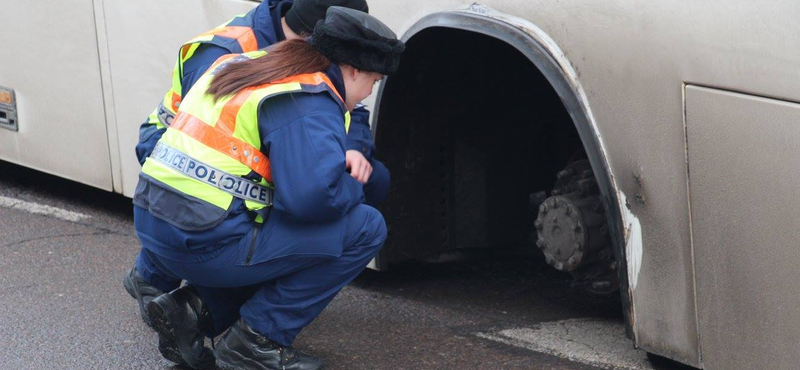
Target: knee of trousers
[[365, 227]]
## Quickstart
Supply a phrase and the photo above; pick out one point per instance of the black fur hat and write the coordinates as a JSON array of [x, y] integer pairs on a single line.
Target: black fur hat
[[304, 14], [358, 39]]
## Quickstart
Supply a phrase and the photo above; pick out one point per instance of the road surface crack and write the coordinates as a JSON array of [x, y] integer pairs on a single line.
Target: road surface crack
[[26, 240]]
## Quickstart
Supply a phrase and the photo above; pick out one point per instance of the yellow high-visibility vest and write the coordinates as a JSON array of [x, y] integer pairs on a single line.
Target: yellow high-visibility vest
[[235, 39], [211, 145]]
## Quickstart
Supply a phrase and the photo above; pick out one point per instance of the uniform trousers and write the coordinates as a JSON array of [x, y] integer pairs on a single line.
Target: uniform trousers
[[278, 277], [375, 191]]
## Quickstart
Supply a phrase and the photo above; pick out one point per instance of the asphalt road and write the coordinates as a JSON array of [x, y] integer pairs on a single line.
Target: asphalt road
[[65, 247]]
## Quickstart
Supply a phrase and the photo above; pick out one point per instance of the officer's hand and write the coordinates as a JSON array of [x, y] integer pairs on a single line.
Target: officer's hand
[[359, 166]]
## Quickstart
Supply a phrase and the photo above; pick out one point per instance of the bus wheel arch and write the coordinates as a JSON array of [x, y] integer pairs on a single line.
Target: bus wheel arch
[[541, 52]]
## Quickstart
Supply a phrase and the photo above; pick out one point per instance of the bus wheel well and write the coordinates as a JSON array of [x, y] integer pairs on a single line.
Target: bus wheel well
[[479, 120]]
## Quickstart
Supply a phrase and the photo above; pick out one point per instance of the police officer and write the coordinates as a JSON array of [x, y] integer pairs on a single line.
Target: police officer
[[268, 23], [247, 196]]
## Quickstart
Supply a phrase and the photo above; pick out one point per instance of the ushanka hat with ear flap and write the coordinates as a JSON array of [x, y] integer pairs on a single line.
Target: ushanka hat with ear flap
[[357, 39]]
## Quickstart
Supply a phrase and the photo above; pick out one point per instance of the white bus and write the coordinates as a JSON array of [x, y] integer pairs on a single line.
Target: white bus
[[646, 147]]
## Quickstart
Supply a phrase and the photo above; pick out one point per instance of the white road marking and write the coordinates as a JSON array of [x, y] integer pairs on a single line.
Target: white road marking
[[595, 342], [42, 209]]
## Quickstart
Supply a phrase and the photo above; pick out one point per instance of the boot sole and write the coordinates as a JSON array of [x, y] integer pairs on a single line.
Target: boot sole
[[167, 343], [133, 290]]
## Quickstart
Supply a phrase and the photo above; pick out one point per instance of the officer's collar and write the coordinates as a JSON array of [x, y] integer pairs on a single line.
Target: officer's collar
[[278, 10], [335, 74], [267, 21]]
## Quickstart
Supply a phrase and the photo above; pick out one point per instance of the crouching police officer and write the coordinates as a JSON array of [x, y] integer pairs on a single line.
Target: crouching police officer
[[268, 23], [247, 196]]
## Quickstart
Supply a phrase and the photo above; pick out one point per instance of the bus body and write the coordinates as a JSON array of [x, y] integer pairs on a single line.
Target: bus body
[[683, 113]]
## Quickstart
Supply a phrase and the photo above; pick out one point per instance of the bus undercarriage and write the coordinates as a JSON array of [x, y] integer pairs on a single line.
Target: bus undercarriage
[[483, 153]]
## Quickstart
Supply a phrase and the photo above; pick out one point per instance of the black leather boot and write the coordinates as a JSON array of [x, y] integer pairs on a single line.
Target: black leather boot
[[142, 291], [242, 348], [180, 320]]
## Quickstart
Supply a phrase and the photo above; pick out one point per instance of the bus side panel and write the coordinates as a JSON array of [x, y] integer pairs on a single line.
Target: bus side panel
[[744, 185], [143, 42], [50, 59]]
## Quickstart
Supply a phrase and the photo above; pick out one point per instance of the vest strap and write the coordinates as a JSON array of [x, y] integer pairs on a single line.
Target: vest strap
[[234, 185]]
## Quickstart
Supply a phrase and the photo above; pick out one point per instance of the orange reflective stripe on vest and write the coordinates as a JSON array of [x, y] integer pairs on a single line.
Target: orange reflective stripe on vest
[[305, 79], [309, 79], [222, 140], [244, 35], [227, 118]]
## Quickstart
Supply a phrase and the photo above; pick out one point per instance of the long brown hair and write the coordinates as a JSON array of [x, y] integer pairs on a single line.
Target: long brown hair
[[284, 59]]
